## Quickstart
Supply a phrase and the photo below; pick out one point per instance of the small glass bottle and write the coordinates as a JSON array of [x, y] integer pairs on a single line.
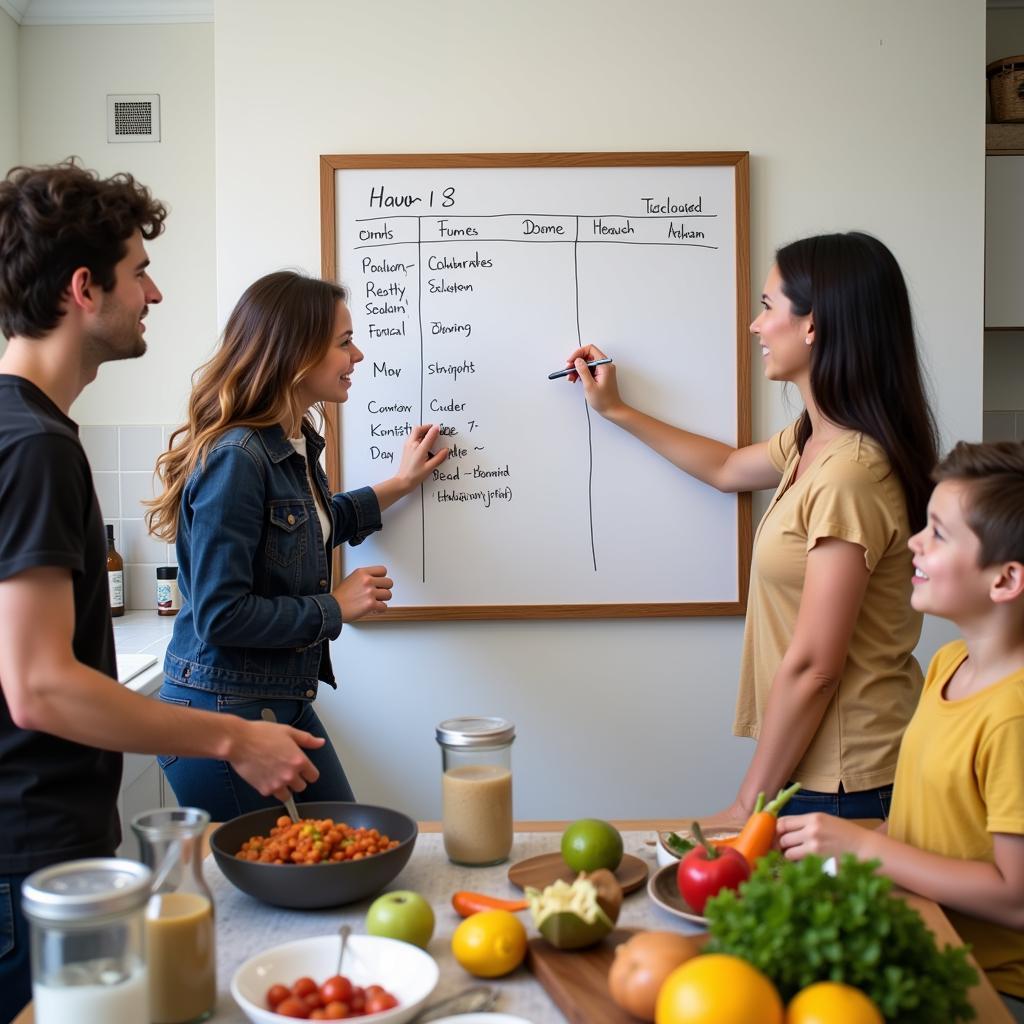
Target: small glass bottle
[[115, 575], [476, 789], [168, 597], [179, 918], [88, 941]]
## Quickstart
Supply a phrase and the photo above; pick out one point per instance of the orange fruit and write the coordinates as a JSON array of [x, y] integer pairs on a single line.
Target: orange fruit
[[717, 989], [832, 1002], [490, 944]]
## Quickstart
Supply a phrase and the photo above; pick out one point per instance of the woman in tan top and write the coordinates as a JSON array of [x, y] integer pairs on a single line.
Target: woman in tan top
[[828, 679]]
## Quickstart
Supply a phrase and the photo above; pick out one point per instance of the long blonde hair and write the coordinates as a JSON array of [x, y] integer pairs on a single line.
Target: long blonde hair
[[278, 331]]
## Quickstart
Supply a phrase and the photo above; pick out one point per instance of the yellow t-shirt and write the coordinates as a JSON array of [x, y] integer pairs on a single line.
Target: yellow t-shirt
[[960, 778], [850, 493]]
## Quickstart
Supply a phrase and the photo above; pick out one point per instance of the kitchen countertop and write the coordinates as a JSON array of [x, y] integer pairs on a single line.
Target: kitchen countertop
[[144, 632], [246, 927]]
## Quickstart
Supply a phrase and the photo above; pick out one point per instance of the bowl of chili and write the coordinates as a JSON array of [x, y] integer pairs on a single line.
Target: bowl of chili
[[308, 885]]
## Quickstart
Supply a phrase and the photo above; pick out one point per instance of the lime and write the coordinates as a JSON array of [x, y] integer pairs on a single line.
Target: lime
[[589, 844]]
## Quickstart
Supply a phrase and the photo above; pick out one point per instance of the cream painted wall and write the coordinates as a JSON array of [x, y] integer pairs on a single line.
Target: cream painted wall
[[8, 92], [64, 78], [620, 717]]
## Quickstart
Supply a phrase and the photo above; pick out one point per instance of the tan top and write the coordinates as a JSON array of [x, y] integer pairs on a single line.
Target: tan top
[[849, 492]]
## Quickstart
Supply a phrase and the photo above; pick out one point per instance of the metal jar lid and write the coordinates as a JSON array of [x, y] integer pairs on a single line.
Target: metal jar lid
[[78, 891], [474, 732]]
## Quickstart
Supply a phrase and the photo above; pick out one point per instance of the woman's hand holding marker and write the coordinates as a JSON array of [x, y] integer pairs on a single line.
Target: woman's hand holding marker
[[599, 386]]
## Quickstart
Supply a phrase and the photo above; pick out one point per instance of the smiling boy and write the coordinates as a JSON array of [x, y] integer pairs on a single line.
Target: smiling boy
[[956, 830]]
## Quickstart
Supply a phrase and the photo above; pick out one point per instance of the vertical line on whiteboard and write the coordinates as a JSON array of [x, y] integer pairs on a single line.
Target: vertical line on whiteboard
[[590, 438], [419, 316]]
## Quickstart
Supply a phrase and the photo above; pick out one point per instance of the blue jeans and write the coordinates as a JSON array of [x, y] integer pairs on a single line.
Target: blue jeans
[[216, 787], [864, 803], [15, 975]]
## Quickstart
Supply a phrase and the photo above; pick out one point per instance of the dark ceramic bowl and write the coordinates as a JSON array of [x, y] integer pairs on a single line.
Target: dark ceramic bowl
[[314, 886]]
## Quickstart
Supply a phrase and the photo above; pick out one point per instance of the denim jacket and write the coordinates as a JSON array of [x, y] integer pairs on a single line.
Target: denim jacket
[[257, 612]]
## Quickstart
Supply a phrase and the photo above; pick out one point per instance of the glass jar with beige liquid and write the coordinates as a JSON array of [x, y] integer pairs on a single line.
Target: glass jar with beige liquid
[[179, 917], [476, 789]]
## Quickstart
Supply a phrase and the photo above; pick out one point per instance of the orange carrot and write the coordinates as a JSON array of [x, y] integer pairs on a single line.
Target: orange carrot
[[759, 832], [466, 903]]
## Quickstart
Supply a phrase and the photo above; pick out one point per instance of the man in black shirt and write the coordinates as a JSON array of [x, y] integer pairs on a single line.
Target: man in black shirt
[[74, 291]]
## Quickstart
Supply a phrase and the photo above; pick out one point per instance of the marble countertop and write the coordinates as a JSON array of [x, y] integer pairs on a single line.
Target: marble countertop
[[246, 927]]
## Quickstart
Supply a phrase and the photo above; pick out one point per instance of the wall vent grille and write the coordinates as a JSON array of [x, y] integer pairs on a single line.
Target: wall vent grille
[[133, 118]]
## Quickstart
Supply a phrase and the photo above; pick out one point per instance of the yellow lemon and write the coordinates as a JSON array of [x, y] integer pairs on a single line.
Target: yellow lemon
[[832, 1002], [717, 989], [490, 944]]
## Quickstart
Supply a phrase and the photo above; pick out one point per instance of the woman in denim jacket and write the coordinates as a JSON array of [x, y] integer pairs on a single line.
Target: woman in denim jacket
[[247, 503]]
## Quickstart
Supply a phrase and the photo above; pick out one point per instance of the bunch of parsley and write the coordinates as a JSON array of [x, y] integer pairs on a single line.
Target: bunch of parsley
[[800, 925]]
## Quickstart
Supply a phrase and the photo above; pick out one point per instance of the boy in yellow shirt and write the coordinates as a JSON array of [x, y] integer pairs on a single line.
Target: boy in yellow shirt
[[956, 830]]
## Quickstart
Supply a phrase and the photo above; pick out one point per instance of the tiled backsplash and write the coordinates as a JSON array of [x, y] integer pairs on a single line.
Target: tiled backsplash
[[123, 459], [1003, 425]]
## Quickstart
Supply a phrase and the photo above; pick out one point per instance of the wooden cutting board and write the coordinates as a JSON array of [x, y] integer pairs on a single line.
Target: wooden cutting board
[[577, 980], [547, 868]]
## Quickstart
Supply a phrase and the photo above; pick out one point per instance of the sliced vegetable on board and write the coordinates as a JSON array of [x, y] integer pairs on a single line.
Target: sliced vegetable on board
[[577, 915]]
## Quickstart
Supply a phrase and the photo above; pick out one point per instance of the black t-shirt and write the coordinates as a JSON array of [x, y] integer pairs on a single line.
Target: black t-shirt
[[58, 799]]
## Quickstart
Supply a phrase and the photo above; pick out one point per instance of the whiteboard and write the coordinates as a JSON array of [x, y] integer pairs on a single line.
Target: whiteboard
[[471, 278]]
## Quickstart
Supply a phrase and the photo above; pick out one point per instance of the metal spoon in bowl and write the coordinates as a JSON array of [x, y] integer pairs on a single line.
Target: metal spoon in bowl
[[344, 931], [289, 805]]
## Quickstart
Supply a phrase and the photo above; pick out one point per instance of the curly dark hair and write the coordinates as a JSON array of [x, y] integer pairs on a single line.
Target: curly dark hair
[[54, 220]]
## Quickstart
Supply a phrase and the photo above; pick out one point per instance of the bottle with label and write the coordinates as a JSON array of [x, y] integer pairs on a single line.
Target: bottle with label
[[115, 575], [168, 597]]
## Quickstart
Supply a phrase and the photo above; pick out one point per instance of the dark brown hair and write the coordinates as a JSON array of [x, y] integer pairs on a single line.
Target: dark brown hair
[[994, 474], [865, 373], [54, 220], [278, 331]]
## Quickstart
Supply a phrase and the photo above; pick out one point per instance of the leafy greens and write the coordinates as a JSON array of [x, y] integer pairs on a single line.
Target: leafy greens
[[799, 925]]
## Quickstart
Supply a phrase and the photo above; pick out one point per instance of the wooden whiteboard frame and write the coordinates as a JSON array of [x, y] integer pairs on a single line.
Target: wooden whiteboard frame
[[330, 262]]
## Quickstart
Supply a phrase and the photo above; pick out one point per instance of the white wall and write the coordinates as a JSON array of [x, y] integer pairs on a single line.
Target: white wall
[[8, 92], [65, 74], [845, 131]]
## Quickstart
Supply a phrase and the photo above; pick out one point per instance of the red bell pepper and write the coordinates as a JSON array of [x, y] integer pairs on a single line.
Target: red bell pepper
[[706, 869]]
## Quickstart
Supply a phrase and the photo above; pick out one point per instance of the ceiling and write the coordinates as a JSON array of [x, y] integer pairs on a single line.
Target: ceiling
[[108, 12], [156, 12]]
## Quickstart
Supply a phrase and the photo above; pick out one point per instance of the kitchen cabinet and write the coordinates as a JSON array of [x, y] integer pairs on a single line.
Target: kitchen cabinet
[[143, 788], [1004, 241]]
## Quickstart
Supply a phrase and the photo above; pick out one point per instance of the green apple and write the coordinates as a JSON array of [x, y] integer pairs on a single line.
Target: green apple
[[403, 915]]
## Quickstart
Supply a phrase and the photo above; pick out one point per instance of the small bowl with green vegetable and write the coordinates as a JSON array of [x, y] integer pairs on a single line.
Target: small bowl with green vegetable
[[673, 846]]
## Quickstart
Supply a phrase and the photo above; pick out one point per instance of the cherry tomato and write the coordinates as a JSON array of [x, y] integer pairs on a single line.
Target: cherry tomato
[[292, 1007], [314, 1000], [357, 1001], [380, 1001], [336, 1010], [276, 994], [336, 989], [303, 987], [318, 1014]]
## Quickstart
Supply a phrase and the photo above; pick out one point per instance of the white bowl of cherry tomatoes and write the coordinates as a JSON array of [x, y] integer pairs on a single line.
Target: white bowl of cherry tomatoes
[[383, 980]]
